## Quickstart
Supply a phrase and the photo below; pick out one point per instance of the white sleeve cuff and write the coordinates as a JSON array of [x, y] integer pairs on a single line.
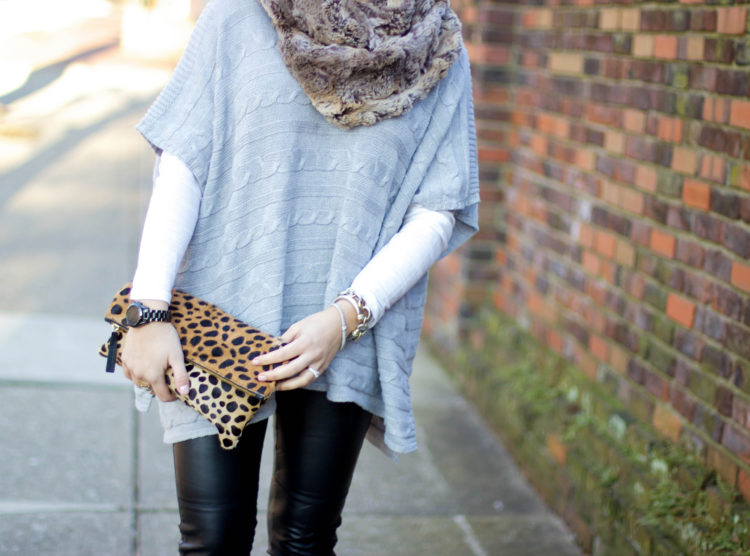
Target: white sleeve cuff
[[409, 254]]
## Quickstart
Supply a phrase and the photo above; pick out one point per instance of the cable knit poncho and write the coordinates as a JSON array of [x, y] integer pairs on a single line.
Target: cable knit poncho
[[294, 207]]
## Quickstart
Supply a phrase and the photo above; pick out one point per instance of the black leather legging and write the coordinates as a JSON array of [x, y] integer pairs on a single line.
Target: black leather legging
[[317, 446]]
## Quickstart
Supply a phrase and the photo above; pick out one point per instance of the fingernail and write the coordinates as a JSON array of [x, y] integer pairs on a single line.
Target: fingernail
[[184, 389], [262, 377], [255, 361]]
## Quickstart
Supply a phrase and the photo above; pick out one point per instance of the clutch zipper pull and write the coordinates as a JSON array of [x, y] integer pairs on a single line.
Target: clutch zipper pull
[[112, 349]]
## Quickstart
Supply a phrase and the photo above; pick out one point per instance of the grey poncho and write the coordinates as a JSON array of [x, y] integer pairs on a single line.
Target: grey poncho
[[294, 207]]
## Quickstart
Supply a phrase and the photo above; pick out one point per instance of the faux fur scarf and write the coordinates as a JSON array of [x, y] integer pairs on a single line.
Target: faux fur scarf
[[361, 61]]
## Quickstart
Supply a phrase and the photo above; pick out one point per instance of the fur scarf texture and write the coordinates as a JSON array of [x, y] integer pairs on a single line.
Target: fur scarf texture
[[361, 61]]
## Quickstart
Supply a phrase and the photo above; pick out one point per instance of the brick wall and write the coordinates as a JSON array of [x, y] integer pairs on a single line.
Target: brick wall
[[614, 144]]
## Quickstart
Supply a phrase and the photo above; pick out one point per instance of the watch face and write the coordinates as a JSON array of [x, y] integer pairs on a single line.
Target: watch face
[[133, 314]]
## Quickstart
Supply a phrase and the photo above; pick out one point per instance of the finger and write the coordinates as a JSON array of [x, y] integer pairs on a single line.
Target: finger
[[290, 334], [300, 380], [181, 380], [280, 355], [287, 370], [161, 390]]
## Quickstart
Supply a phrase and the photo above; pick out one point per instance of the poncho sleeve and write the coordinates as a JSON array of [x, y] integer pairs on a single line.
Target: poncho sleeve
[[181, 119], [443, 172]]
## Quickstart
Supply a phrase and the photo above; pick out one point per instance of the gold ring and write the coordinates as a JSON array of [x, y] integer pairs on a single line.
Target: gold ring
[[144, 386]]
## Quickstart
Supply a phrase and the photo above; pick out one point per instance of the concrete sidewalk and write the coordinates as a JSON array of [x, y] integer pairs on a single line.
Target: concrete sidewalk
[[83, 474]]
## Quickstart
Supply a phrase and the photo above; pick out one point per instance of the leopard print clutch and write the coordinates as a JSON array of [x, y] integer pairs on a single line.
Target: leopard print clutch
[[218, 349]]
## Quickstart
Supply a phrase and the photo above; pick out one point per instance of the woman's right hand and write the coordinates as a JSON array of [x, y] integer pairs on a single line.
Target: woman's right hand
[[148, 351]]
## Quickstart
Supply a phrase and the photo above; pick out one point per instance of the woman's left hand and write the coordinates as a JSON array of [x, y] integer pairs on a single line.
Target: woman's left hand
[[311, 343]]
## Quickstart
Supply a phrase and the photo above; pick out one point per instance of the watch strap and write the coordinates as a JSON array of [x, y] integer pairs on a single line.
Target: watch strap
[[147, 315], [154, 315]]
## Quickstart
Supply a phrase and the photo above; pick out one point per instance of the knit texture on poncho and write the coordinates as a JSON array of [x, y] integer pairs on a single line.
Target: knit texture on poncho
[[293, 207]]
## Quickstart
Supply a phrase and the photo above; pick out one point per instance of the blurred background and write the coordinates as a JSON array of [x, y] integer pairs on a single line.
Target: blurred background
[[74, 78]]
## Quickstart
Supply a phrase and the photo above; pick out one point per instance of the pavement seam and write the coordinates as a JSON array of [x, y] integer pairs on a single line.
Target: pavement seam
[[135, 513], [60, 385], [15, 507], [470, 537]]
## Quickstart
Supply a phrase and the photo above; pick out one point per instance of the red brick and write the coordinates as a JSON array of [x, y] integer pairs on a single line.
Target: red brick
[[586, 235], [667, 422], [716, 109], [669, 129], [742, 177], [646, 178], [469, 14], [684, 160], [531, 59], [565, 62], [614, 141], [731, 21], [681, 310], [538, 18], [640, 233], [643, 46], [591, 262], [631, 201], [604, 243], [741, 275], [662, 243], [630, 19], [625, 254], [598, 347], [496, 154], [634, 120], [607, 115], [665, 46], [496, 55], [609, 19], [491, 94], [539, 145], [690, 252], [585, 159], [694, 47], [696, 194], [713, 168], [739, 114], [743, 483], [611, 193]]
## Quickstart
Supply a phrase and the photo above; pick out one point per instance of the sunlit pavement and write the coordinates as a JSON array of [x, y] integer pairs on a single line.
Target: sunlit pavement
[[81, 473]]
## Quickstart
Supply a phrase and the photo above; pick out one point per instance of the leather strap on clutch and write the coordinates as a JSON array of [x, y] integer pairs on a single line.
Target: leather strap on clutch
[[218, 349]]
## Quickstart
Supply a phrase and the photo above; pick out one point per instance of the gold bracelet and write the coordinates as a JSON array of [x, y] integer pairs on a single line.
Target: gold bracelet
[[364, 315]]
